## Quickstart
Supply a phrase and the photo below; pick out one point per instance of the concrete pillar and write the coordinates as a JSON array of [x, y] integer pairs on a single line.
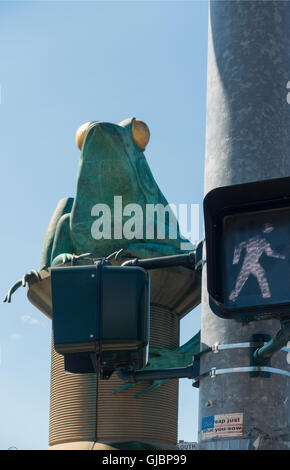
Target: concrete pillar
[[247, 139]]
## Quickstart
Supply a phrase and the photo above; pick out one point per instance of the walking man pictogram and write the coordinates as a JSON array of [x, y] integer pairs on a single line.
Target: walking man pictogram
[[255, 246]]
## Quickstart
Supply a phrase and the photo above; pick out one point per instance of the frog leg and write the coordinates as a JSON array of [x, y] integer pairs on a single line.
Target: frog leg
[[63, 249]]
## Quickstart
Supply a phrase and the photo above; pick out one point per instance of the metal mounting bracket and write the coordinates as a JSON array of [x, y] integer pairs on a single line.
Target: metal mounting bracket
[[215, 348], [255, 371]]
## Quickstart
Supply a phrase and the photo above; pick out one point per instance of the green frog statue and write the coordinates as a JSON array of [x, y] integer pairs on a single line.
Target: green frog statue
[[113, 172], [118, 209]]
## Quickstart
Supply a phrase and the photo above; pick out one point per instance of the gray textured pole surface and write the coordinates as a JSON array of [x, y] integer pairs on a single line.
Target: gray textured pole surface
[[247, 139]]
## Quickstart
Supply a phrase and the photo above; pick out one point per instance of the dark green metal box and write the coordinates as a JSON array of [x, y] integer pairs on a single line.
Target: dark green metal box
[[101, 309]]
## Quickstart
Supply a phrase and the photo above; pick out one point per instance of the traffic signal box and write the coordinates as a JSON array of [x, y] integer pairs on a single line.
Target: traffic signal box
[[247, 230], [100, 316]]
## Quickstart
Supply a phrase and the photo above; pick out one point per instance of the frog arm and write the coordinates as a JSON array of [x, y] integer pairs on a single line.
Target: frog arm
[[63, 248], [63, 207]]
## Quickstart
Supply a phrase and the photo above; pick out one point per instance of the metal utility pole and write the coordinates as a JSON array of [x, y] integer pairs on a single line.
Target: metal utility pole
[[247, 139]]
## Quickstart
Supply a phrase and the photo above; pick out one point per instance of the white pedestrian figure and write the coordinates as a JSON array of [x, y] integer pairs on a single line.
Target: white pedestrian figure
[[255, 247]]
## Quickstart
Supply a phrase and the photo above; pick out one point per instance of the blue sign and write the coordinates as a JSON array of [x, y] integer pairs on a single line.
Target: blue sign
[[207, 422]]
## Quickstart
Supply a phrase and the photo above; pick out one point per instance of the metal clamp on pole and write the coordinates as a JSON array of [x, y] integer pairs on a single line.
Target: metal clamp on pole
[[221, 347], [258, 343], [213, 372], [215, 348]]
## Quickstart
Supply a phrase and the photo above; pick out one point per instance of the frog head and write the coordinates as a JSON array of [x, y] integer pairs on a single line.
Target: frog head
[[113, 168], [113, 163]]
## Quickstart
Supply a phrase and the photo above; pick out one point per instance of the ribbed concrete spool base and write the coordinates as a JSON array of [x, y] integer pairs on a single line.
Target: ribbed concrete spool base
[[84, 408]]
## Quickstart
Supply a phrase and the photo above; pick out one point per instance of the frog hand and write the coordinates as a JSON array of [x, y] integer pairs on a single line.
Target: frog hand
[[70, 258], [21, 282], [154, 353]]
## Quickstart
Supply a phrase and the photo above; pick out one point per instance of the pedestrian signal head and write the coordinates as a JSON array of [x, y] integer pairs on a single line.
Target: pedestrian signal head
[[247, 230]]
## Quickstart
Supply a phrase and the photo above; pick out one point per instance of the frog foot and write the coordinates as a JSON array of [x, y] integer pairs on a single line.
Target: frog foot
[[70, 258], [22, 282]]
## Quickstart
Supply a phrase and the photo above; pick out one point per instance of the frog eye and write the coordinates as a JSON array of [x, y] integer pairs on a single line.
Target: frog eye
[[80, 134], [140, 133]]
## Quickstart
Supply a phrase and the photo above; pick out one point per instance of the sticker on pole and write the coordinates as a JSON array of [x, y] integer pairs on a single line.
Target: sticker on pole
[[228, 425]]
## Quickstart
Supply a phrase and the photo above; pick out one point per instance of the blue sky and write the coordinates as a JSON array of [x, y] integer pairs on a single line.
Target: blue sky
[[62, 64]]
